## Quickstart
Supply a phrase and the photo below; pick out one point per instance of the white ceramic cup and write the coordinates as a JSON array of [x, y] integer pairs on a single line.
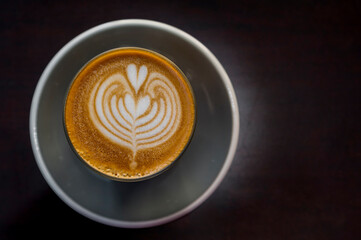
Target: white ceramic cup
[[174, 193]]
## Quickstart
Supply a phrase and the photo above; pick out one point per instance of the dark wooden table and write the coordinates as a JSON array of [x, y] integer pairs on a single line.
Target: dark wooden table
[[296, 70]]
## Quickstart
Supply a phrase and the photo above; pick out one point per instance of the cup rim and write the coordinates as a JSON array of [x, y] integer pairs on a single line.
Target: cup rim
[[34, 133]]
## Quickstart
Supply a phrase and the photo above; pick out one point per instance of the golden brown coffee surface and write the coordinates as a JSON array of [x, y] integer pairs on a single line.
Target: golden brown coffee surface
[[129, 113]]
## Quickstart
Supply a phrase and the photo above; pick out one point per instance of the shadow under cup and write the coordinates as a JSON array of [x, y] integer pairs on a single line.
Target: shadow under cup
[[191, 179]]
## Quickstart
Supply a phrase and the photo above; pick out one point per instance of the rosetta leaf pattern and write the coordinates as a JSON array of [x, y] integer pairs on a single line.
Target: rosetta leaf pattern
[[140, 110]]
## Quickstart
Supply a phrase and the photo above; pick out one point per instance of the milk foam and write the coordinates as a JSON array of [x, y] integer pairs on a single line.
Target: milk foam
[[138, 111]]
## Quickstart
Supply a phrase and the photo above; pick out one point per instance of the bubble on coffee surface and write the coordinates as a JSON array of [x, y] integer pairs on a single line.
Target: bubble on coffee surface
[[138, 110]]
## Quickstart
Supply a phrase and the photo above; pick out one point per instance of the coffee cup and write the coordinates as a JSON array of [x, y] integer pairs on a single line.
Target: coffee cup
[[129, 114], [193, 177]]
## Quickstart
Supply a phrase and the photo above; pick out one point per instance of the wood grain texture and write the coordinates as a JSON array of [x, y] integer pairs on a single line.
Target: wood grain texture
[[296, 70]]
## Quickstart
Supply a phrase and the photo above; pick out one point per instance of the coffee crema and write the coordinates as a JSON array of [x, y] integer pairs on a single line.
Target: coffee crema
[[129, 113]]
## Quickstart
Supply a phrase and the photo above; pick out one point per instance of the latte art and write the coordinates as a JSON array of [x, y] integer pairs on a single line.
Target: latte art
[[139, 111], [129, 113]]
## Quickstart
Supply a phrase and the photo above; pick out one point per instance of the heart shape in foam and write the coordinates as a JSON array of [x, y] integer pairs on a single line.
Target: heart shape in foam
[[136, 78], [138, 108]]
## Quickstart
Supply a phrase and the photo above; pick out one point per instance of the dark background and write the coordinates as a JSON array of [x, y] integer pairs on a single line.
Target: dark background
[[295, 66]]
